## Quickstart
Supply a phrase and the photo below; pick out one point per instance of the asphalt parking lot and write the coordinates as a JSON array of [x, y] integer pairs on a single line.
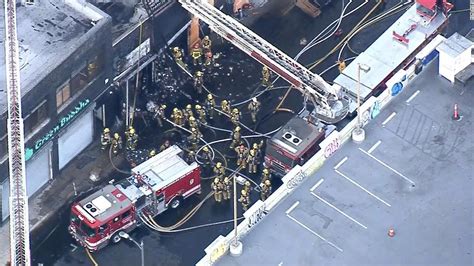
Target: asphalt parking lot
[[413, 173]]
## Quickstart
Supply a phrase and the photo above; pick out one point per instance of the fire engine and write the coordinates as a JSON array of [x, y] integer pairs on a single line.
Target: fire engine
[[295, 143], [429, 8], [157, 184]]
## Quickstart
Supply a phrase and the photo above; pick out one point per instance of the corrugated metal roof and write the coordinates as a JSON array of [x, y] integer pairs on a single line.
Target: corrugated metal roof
[[455, 45]]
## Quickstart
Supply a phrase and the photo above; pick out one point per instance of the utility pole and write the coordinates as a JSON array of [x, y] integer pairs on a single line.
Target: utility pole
[[19, 220], [358, 134]]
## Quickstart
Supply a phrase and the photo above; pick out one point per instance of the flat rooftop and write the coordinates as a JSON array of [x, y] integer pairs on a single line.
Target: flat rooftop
[[386, 53], [48, 32], [414, 175]]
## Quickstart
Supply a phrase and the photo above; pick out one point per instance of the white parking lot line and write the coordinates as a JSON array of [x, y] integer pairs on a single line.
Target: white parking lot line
[[375, 146], [314, 233], [292, 207], [388, 119], [388, 166], [317, 185], [340, 163], [341, 212], [361, 187], [413, 96]]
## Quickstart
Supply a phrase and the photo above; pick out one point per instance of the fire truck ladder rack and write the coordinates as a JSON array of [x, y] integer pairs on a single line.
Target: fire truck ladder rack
[[19, 222], [330, 106]]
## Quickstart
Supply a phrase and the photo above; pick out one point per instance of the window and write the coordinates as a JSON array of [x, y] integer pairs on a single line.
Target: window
[[35, 118], [79, 80], [94, 67], [63, 94], [126, 214]]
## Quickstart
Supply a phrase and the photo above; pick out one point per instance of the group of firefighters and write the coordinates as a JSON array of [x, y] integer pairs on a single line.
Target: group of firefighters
[[247, 157]]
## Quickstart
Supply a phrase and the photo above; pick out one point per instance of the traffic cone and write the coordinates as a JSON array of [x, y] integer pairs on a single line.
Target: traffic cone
[[456, 115], [391, 232]]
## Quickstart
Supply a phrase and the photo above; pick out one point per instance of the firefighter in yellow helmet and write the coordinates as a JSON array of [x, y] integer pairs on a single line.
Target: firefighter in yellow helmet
[[160, 114], [188, 112], [116, 143], [201, 114], [266, 175], [210, 105], [190, 158], [252, 162], [178, 56], [341, 65], [235, 137], [132, 139], [266, 77], [165, 145], [257, 147], [219, 170], [206, 44], [235, 116], [196, 54], [193, 123], [266, 189], [242, 152], [194, 138], [217, 187], [247, 187], [254, 107], [206, 159], [225, 105], [226, 193], [105, 138], [244, 199], [151, 153], [177, 117], [198, 81]]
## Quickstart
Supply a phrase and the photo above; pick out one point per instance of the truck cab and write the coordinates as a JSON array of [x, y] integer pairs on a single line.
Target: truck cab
[[295, 143]]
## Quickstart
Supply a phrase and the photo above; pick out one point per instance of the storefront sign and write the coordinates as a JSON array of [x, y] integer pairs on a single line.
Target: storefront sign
[[139, 52], [64, 121]]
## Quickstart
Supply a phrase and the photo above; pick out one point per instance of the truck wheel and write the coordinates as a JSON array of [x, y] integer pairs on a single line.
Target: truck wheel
[[116, 238], [175, 202]]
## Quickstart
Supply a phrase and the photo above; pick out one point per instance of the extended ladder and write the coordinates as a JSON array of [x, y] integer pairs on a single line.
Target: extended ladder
[[331, 105]]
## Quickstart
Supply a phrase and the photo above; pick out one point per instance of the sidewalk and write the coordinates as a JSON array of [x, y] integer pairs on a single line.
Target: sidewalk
[[59, 193]]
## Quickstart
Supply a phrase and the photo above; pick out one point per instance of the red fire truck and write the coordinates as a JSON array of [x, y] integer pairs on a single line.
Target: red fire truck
[[295, 143], [429, 8], [157, 184]]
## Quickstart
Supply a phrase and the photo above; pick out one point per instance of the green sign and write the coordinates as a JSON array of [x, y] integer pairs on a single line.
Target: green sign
[[64, 121]]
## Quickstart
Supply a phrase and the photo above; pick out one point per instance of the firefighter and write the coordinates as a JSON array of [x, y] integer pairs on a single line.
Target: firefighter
[[177, 116], [194, 138], [254, 107], [244, 199], [241, 155], [187, 113], [116, 143], [178, 56], [266, 175], [257, 147], [226, 192], [105, 138], [217, 187], [247, 187], [193, 123], [165, 145], [235, 116], [151, 153], [196, 54], [210, 105], [206, 159], [131, 138], [208, 61], [219, 170], [266, 77], [338, 34], [341, 65], [201, 113], [225, 105], [206, 44], [266, 190], [160, 114], [198, 81], [190, 158], [235, 137], [252, 162]]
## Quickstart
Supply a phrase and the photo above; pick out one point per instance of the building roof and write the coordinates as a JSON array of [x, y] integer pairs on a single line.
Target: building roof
[[386, 54], [455, 45], [48, 32]]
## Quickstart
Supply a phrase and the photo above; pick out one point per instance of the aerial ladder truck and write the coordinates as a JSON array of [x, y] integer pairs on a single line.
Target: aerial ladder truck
[[19, 222], [331, 104]]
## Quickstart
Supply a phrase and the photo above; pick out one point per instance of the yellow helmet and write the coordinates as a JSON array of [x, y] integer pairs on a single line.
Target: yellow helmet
[[132, 130], [254, 99], [116, 135], [205, 149], [226, 179], [243, 192], [209, 96], [216, 180], [175, 49], [199, 73], [218, 164], [163, 106], [252, 152], [106, 130], [206, 38], [152, 152], [235, 111], [189, 107], [267, 182], [237, 129], [265, 171], [247, 183], [255, 146], [191, 118], [193, 129], [224, 102], [198, 107], [175, 110]]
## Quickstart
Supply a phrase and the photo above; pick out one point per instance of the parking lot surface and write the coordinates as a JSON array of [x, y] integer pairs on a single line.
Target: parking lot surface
[[412, 174]]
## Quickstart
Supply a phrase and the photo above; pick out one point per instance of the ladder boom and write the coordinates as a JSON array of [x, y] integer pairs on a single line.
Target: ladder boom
[[19, 222]]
